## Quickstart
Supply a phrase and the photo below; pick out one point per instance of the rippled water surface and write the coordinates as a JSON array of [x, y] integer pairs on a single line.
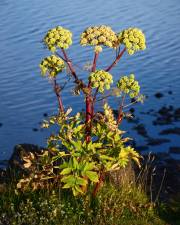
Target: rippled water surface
[[25, 96]]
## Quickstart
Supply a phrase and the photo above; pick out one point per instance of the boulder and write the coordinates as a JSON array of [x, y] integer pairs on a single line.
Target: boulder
[[21, 150]]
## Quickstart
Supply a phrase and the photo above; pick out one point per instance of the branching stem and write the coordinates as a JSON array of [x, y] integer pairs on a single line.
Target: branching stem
[[120, 113], [57, 92], [90, 104], [116, 60]]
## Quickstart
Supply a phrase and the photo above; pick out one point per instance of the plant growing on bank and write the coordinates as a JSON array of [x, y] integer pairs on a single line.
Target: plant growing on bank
[[88, 144]]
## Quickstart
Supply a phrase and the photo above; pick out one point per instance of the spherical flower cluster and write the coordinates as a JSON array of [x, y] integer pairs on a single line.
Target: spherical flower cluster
[[51, 65], [58, 37], [101, 79], [129, 85], [133, 39], [99, 35]]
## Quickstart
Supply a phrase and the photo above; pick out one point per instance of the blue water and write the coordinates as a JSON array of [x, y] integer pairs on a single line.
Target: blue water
[[25, 96]]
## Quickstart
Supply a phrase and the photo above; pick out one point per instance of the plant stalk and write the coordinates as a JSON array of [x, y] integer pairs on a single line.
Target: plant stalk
[[57, 92], [89, 104], [116, 60], [120, 113]]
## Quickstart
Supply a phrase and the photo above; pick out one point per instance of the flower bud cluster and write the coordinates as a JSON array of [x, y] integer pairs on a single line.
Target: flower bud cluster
[[129, 86], [58, 37], [51, 65], [99, 35], [133, 39], [101, 79]]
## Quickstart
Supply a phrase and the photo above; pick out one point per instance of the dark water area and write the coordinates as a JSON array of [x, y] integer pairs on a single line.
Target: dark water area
[[25, 96]]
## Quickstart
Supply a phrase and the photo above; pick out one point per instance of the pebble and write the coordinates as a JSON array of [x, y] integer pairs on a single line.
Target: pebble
[[174, 150], [158, 95], [35, 129], [157, 141], [175, 130]]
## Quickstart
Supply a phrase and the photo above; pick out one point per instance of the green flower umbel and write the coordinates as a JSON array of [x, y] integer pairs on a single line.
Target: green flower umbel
[[101, 79], [133, 39], [51, 66], [128, 85], [99, 36], [58, 37]]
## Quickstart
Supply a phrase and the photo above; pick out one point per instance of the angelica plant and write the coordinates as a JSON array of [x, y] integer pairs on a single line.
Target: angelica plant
[[88, 145]]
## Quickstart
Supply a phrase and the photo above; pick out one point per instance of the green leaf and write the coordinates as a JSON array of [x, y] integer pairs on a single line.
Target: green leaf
[[77, 145], [89, 166], [78, 128], [97, 145], [106, 157], [77, 187], [75, 191], [69, 179], [66, 171], [64, 165], [81, 181], [68, 185], [75, 163], [93, 176]]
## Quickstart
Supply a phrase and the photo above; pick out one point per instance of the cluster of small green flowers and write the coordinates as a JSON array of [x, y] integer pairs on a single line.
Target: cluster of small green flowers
[[99, 35], [58, 37], [129, 85], [101, 79], [133, 39], [51, 65]]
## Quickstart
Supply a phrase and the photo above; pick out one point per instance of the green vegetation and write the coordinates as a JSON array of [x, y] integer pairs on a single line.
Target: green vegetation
[[124, 205]]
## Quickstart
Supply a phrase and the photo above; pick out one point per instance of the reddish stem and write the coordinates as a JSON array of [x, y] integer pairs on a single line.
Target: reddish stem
[[94, 100], [95, 61], [116, 60], [99, 184], [88, 119], [69, 64], [89, 104], [120, 113], [57, 92]]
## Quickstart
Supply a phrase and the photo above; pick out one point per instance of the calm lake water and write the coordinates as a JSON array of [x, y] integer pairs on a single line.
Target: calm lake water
[[25, 96]]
